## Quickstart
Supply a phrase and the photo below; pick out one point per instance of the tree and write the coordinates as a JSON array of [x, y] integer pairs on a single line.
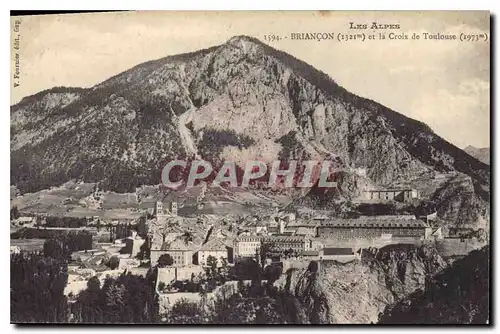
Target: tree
[[313, 267], [212, 264], [94, 284], [242, 289], [261, 317], [272, 273], [114, 262], [185, 312], [37, 289], [114, 301], [14, 213], [203, 296], [224, 270], [56, 248], [266, 249], [165, 260], [245, 269], [161, 286], [144, 251], [126, 299]]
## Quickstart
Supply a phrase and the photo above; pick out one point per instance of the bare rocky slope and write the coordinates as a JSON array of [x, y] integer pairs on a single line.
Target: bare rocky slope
[[239, 101], [394, 284]]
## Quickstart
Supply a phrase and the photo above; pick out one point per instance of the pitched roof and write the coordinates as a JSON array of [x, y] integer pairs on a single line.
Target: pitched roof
[[390, 190], [177, 244], [285, 238], [25, 219], [247, 238], [337, 251], [436, 231], [376, 221], [305, 230], [213, 245], [310, 253]]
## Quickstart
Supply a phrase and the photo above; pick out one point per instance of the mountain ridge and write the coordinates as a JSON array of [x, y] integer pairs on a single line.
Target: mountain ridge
[[124, 129], [482, 154]]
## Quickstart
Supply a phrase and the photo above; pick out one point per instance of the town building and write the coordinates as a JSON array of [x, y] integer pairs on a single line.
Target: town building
[[160, 210], [169, 275], [289, 230], [173, 208], [306, 231], [177, 249], [283, 243], [434, 233], [371, 227], [256, 228], [215, 248], [316, 244], [276, 226], [338, 254], [254, 225], [25, 221], [310, 254], [125, 263], [400, 195], [246, 246], [133, 244], [290, 218]]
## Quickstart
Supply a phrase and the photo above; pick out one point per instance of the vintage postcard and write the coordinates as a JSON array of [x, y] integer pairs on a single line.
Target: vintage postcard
[[322, 167]]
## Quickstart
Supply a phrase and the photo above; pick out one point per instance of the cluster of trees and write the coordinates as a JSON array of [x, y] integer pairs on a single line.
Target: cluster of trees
[[126, 299], [80, 240], [35, 233], [245, 269], [62, 245], [183, 286], [38, 279], [256, 303], [71, 222], [165, 260], [291, 148], [214, 276], [213, 271], [213, 142], [185, 311], [152, 116], [37, 283]]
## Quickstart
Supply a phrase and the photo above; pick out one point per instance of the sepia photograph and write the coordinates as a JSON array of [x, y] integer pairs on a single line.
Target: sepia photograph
[[250, 168]]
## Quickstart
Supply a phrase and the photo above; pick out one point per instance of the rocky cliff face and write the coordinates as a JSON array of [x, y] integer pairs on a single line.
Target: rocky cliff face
[[121, 132], [357, 292], [458, 295], [457, 203]]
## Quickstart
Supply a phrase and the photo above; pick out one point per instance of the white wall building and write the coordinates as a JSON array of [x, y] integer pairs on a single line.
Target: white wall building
[[246, 246], [215, 248]]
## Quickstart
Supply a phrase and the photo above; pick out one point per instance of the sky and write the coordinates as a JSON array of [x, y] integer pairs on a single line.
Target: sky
[[445, 84]]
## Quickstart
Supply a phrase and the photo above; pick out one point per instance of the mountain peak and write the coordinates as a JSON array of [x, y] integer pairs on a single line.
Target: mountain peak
[[245, 43], [244, 38]]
